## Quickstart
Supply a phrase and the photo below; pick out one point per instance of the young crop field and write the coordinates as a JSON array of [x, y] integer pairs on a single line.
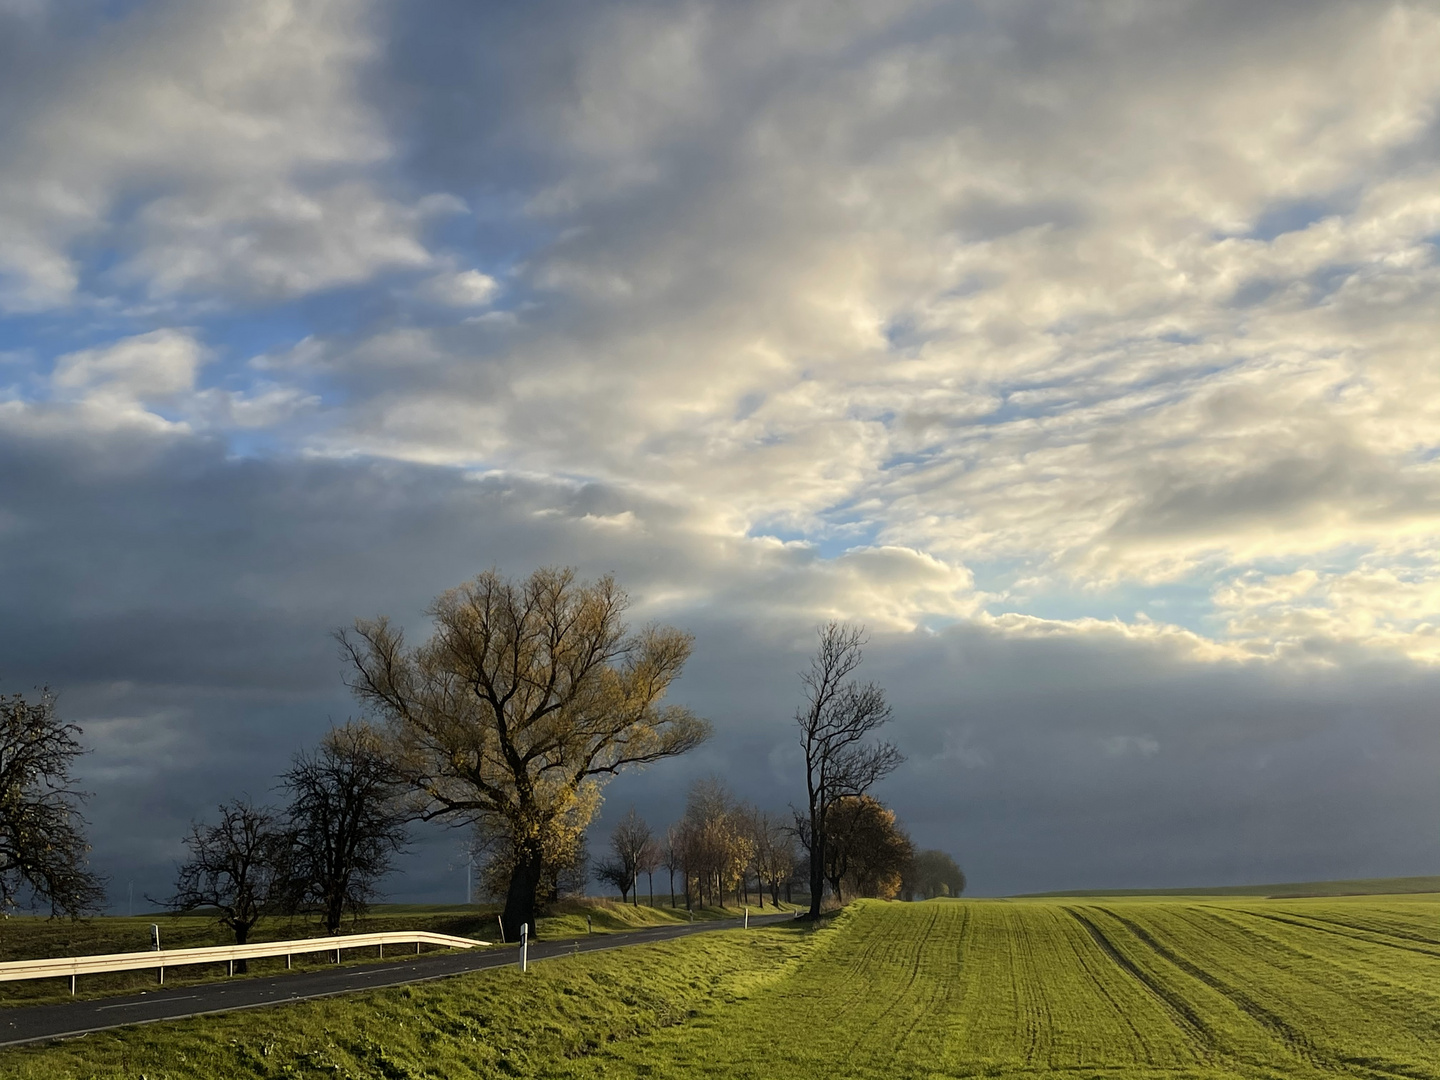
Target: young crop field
[[1074, 988]]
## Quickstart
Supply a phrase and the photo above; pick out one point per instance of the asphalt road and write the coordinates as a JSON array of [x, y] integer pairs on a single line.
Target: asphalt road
[[38, 1023]]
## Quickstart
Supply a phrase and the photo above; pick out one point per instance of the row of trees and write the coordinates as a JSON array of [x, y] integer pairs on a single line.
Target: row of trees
[[722, 848], [719, 847], [525, 700]]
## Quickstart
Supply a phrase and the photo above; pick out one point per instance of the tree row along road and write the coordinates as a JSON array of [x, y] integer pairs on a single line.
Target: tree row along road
[[41, 1022]]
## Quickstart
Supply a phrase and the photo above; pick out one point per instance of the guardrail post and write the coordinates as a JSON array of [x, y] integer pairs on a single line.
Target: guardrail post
[[524, 946], [161, 970], [232, 967], [72, 985], [337, 956], [382, 950], [287, 961]]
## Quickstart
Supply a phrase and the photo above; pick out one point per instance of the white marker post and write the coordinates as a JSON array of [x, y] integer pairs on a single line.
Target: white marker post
[[524, 946], [501, 923], [747, 918]]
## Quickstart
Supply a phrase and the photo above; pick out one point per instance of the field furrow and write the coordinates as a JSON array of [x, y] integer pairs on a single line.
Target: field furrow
[[1072, 988]]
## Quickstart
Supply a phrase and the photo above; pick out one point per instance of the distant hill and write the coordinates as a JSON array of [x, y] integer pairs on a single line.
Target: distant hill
[[1359, 887]]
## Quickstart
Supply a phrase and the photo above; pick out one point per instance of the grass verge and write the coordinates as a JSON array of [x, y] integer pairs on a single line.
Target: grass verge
[[30, 937], [493, 1023]]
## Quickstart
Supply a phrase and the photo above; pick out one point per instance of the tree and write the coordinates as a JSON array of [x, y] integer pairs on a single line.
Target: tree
[[774, 854], [672, 856], [838, 717], [933, 873], [715, 847], [633, 843], [42, 848], [346, 824], [865, 849], [525, 700], [566, 870], [237, 867]]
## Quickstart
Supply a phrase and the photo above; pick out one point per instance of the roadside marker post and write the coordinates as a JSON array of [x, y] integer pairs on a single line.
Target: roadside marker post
[[747, 918], [500, 923], [589, 926], [524, 946]]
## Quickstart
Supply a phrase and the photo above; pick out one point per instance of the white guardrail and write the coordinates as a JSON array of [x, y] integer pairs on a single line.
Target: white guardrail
[[59, 967]]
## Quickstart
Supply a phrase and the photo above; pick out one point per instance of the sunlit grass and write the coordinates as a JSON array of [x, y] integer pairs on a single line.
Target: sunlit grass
[[28, 937], [1083, 988]]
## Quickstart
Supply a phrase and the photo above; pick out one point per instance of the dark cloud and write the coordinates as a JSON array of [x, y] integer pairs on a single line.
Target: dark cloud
[[182, 603], [1032, 284]]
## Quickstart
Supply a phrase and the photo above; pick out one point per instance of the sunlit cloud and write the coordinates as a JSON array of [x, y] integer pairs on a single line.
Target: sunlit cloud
[[1046, 330]]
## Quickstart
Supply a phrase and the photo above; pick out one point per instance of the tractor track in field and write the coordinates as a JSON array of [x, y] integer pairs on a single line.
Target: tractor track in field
[[1294, 1040], [1084, 959], [1338, 929], [901, 995], [1182, 1011], [1382, 929]]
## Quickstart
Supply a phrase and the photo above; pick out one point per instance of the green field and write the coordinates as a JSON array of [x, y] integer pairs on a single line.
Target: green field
[[1084, 988], [1281, 890]]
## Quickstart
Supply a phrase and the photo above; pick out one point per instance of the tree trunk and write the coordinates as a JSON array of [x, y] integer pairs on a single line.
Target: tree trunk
[[520, 896], [242, 935], [334, 912], [672, 888], [817, 864]]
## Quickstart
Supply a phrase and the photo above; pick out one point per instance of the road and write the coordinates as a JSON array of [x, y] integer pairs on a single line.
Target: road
[[38, 1023]]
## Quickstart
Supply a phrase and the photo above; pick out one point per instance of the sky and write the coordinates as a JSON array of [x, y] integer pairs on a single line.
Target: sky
[[1085, 351]]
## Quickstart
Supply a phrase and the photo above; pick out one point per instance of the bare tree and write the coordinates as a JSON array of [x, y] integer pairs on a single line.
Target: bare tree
[[651, 859], [672, 856], [527, 698], [774, 854], [236, 867], [632, 842], [836, 722], [42, 849], [616, 873], [346, 824]]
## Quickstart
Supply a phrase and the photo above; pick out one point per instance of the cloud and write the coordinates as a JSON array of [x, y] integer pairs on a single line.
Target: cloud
[[209, 148], [1082, 350], [468, 288], [155, 366]]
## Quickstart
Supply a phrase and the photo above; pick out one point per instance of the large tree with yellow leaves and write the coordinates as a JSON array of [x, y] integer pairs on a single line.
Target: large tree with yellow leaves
[[527, 697]]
